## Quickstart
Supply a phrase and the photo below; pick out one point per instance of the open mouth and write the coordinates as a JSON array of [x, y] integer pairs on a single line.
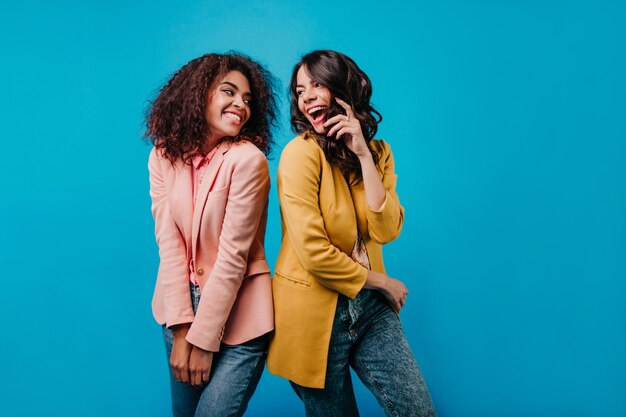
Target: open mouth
[[233, 116], [317, 113]]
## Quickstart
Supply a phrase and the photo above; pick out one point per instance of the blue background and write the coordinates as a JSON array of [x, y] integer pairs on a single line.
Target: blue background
[[508, 123]]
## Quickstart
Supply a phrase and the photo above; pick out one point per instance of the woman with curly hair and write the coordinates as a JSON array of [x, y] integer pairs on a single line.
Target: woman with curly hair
[[209, 182], [335, 305]]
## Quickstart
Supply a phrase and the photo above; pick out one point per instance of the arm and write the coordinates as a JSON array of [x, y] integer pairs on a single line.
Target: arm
[[375, 193], [173, 268], [384, 212], [247, 199], [298, 191], [385, 223], [394, 290], [173, 271]]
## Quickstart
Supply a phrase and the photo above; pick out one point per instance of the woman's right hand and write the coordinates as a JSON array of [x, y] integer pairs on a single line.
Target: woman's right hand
[[394, 290], [181, 349]]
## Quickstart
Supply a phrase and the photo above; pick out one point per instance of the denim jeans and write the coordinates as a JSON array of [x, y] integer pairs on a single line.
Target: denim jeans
[[235, 373], [367, 336]]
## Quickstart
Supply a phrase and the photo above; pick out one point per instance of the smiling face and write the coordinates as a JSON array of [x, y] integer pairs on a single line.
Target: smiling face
[[314, 99], [228, 107]]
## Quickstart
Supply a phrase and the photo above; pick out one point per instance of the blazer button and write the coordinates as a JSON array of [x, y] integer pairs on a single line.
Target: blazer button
[[200, 271]]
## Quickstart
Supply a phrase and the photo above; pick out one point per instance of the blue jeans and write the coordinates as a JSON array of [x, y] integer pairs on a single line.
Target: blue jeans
[[367, 336], [235, 374]]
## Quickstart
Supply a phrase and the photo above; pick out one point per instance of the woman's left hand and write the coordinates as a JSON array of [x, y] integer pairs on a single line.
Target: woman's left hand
[[200, 362], [348, 127]]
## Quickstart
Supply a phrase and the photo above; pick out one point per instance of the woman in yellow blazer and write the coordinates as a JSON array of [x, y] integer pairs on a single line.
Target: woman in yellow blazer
[[333, 301]]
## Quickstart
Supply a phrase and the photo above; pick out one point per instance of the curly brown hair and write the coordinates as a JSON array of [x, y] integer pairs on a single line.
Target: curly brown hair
[[343, 77], [176, 119]]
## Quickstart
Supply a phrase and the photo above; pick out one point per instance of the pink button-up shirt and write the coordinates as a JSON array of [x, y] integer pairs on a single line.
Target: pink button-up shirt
[[200, 164]]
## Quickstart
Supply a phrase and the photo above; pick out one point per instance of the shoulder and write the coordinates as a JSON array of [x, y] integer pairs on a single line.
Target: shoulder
[[158, 161], [301, 148], [380, 146], [244, 151], [155, 154], [155, 158], [383, 151], [302, 162], [245, 156]]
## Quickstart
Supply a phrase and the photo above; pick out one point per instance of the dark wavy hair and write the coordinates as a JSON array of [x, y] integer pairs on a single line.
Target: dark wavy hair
[[176, 119], [343, 77]]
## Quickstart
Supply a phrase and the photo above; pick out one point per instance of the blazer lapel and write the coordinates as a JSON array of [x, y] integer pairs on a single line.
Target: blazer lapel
[[181, 203], [203, 191]]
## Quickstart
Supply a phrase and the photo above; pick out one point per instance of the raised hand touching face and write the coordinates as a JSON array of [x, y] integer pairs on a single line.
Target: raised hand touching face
[[348, 128]]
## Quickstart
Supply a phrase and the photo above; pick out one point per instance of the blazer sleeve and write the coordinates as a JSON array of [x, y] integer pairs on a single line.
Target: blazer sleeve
[[298, 192], [385, 224], [247, 200], [173, 269]]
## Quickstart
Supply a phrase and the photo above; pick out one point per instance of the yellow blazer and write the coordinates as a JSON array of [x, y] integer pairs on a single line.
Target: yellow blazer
[[320, 214]]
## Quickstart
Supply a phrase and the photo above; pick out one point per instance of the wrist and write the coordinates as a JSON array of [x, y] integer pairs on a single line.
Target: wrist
[[180, 330], [199, 349], [376, 281], [365, 157]]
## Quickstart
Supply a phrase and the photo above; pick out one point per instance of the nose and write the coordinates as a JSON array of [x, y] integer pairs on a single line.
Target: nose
[[308, 95], [238, 101]]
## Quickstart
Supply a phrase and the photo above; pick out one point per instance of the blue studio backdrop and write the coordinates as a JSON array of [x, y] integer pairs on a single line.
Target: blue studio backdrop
[[508, 124]]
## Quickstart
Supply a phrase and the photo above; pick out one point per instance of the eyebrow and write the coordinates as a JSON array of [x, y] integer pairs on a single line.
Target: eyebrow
[[310, 82], [235, 87]]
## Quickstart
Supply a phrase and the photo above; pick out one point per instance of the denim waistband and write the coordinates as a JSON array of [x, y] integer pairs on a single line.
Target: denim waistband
[[366, 305]]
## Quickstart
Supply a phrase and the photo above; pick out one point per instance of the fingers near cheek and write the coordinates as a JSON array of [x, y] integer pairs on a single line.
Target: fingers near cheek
[[345, 105], [341, 133], [335, 128]]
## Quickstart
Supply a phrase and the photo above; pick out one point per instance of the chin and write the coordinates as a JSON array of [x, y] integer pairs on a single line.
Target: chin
[[321, 130], [231, 132]]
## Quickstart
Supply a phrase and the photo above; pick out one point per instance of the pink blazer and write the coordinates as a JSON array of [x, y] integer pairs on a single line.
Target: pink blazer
[[225, 231]]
